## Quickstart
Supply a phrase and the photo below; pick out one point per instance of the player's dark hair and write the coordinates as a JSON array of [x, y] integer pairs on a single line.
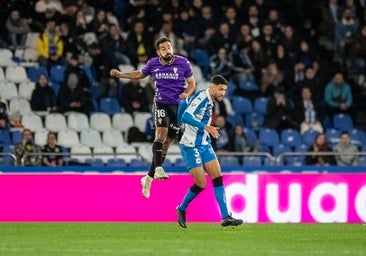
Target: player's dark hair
[[217, 79], [159, 41]]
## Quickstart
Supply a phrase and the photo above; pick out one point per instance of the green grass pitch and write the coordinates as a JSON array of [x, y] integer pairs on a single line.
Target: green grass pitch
[[54, 239]]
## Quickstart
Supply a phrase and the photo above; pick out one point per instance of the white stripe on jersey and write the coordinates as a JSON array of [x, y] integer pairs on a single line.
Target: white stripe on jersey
[[200, 107]]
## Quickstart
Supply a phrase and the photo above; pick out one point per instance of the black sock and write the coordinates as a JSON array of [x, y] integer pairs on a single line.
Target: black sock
[[151, 172], [157, 152]]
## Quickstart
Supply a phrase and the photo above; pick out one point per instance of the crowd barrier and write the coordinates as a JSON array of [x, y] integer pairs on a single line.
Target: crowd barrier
[[269, 194]]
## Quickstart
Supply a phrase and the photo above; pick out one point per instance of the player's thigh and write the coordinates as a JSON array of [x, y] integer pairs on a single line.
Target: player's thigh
[[161, 133], [161, 114], [199, 176], [213, 169], [192, 157]]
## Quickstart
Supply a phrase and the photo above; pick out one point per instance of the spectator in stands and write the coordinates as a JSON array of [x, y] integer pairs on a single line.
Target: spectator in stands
[[4, 118], [221, 38], [223, 142], [17, 28], [110, 87], [271, 78], [98, 62], [344, 29], [52, 153], [290, 41], [206, 23], [73, 67], [239, 140], [268, 40], [114, 47], [80, 24], [330, 14], [311, 81], [185, 28], [43, 96], [243, 67], [99, 24], [320, 145], [133, 97], [220, 64], [308, 56], [166, 30], [338, 96], [71, 97], [26, 152], [280, 114], [349, 151], [356, 61], [253, 20], [50, 47], [139, 43], [244, 36], [231, 17], [309, 112], [73, 45], [48, 9], [258, 57]]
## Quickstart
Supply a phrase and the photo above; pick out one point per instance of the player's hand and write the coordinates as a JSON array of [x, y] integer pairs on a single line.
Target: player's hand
[[114, 72], [213, 131], [183, 96]]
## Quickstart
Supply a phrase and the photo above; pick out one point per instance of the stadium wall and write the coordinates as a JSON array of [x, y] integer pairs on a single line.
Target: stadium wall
[[73, 195]]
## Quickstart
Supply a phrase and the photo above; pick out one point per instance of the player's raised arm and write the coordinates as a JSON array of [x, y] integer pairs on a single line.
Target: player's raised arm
[[137, 74], [191, 88]]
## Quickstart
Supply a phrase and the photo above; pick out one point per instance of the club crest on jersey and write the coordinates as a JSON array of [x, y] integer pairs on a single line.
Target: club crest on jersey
[[160, 120], [175, 69], [193, 105]]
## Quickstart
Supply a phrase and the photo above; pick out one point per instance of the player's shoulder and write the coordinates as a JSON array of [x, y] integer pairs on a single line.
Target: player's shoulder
[[182, 59]]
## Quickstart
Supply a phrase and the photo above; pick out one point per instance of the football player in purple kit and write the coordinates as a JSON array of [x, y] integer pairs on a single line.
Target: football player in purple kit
[[173, 78]]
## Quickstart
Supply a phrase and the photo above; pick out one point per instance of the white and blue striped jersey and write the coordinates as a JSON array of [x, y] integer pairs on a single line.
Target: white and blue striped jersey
[[197, 115]]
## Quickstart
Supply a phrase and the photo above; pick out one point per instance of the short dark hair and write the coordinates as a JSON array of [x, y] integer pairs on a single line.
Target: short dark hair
[[159, 41], [218, 79]]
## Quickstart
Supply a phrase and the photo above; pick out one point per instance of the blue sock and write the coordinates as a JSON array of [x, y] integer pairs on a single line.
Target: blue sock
[[221, 200], [187, 199]]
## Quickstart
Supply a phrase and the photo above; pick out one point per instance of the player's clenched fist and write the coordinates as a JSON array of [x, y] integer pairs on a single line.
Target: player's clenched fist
[[114, 73]]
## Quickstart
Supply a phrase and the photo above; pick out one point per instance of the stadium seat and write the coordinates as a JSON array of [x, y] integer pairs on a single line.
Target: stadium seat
[[201, 59], [8, 160], [198, 74], [116, 162], [125, 68], [127, 152], [173, 153], [179, 162], [332, 135], [248, 86], [57, 74], [5, 138], [268, 137], [8, 91], [16, 74], [308, 137], [229, 161], [138, 162], [6, 56], [55, 122], [109, 105], [80, 153], [55, 87], [145, 151], [32, 122], [140, 119], [342, 122], [77, 121], [235, 120], [95, 162], [16, 136], [242, 105], [112, 138], [291, 137], [100, 121], [254, 120], [19, 105], [260, 105], [91, 138], [26, 89], [2, 75], [252, 161], [68, 138], [250, 135], [279, 149], [231, 88], [103, 152], [122, 122], [358, 137], [34, 72], [40, 137]]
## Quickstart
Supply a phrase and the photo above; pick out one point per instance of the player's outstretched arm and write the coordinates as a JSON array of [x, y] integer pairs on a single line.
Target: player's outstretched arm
[[191, 88], [137, 74]]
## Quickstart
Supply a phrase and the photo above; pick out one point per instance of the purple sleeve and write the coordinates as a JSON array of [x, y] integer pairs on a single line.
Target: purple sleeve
[[146, 70], [189, 71]]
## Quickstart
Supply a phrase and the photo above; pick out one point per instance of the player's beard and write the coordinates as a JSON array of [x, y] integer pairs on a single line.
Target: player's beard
[[167, 58]]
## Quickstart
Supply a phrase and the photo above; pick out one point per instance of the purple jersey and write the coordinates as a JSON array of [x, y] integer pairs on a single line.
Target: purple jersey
[[169, 79]]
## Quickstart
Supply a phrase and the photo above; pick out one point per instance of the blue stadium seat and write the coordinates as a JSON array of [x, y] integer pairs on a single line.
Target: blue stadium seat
[[254, 120], [229, 161], [235, 120], [89, 74], [248, 86], [252, 161], [95, 162], [179, 162], [231, 88], [291, 137], [268, 137], [242, 105], [57, 74], [201, 58], [260, 105], [116, 162], [308, 137], [55, 87], [109, 105], [5, 138], [280, 148], [342, 122], [35, 71], [137, 162], [7, 159], [250, 135], [332, 135], [16, 136], [358, 137]]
